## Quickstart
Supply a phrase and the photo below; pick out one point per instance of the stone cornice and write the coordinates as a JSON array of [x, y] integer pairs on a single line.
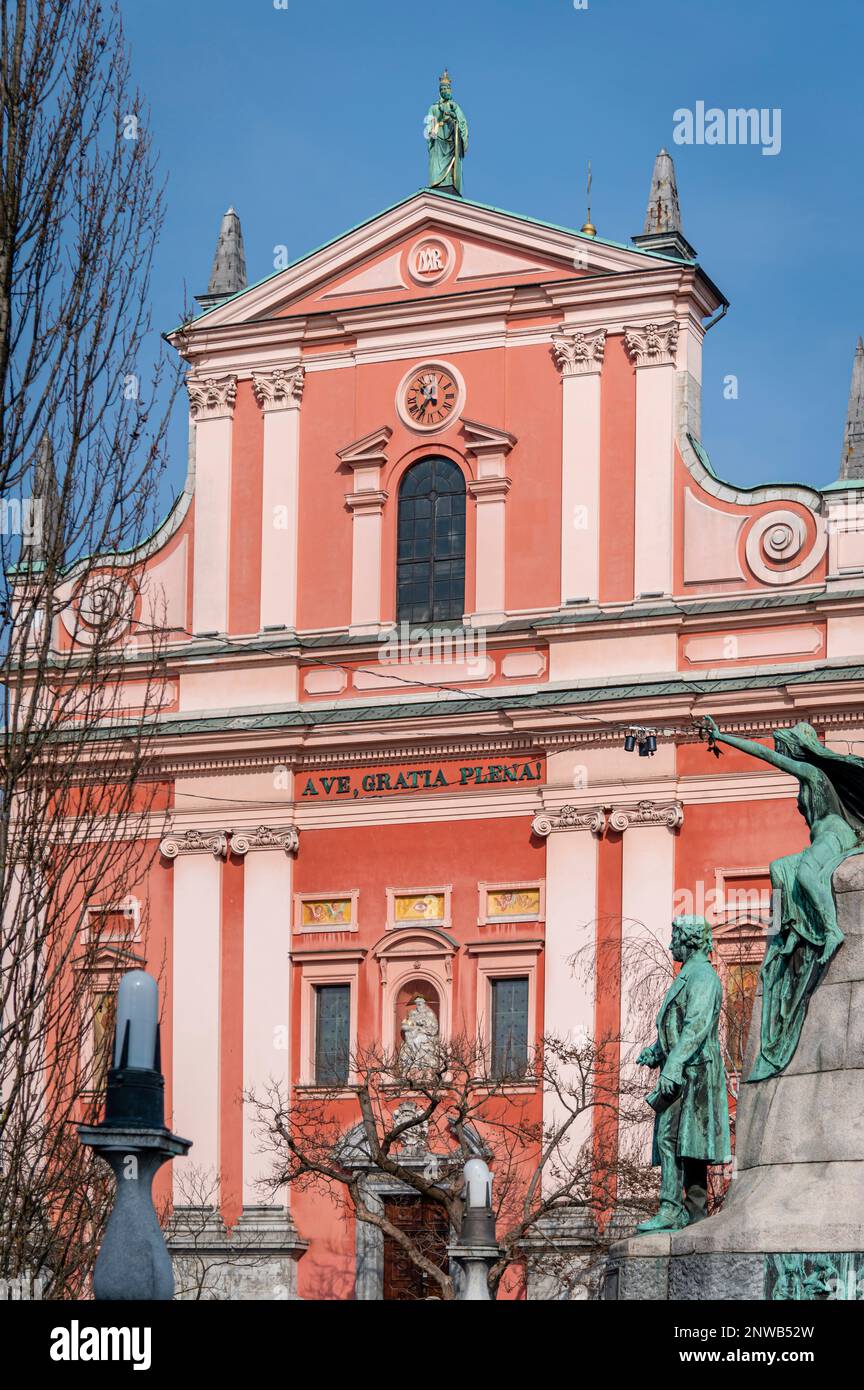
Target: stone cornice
[[368, 503], [483, 440], [489, 489], [652, 344], [279, 389], [211, 397], [368, 452], [578, 353]]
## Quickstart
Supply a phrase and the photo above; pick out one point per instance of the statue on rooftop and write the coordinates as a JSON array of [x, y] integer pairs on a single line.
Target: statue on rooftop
[[806, 935], [446, 131], [691, 1124]]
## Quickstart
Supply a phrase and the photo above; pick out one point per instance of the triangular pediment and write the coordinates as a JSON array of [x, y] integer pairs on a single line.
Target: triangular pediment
[[427, 246]]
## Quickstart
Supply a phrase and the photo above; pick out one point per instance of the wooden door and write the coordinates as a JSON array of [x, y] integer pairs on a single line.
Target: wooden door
[[426, 1226]]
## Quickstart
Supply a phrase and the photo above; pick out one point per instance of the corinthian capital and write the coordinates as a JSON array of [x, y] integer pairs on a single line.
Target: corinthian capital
[[281, 389], [652, 344], [576, 352], [212, 397]]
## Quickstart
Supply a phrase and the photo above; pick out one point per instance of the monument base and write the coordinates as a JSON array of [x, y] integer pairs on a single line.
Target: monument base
[[792, 1226]]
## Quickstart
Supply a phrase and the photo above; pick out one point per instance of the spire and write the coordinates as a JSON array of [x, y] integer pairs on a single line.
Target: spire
[[228, 275], [662, 230], [588, 228], [47, 539], [852, 457]]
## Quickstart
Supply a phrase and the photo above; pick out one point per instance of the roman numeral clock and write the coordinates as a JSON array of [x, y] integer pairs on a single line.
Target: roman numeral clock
[[430, 396]]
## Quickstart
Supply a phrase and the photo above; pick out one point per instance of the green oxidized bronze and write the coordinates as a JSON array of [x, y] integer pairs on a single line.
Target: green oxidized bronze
[[447, 138], [831, 800], [813, 1278], [691, 1126]]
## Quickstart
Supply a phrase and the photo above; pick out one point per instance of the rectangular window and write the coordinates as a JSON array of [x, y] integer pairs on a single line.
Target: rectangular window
[[332, 1034], [509, 1027]]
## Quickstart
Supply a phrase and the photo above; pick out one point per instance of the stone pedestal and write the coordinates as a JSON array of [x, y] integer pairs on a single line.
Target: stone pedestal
[[256, 1260], [798, 1189]]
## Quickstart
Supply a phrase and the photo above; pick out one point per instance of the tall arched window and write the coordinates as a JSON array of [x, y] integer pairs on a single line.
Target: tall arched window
[[431, 543]]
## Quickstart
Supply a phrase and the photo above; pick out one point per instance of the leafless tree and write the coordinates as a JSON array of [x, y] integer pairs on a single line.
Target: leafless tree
[[417, 1127], [84, 402]]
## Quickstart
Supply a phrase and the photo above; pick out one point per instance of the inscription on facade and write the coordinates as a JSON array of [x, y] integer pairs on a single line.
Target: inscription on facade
[[418, 779]]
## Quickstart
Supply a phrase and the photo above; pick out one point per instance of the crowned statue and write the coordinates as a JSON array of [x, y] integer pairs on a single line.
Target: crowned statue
[[446, 131], [419, 1050]]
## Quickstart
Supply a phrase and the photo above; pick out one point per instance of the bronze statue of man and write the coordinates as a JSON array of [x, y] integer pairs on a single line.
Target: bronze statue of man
[[691, 1125]]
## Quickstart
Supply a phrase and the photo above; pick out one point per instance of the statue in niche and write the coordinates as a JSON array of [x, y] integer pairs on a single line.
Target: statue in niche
[[419, 1050], [691, 1123], [806, 934]]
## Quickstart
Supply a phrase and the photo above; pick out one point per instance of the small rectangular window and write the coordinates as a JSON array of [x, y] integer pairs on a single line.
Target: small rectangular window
[[509, 1027], [332, 1034]]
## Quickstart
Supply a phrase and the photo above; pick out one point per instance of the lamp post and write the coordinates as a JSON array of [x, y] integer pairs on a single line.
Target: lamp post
[[133, 1262], [476, 1250]]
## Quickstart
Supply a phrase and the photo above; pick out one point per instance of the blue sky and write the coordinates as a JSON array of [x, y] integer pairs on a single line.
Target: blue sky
[[308, 119]]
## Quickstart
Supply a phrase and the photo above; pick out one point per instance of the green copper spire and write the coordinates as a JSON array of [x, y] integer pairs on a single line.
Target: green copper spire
[[446, 132]]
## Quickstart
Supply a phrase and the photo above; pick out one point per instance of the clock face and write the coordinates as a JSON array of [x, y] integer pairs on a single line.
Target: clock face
[[430, 396]]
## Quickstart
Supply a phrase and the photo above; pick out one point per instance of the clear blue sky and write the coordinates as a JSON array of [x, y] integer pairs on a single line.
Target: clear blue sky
[[309, 119]]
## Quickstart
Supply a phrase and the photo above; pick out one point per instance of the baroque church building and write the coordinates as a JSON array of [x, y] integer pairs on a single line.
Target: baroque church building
[[450, 579]]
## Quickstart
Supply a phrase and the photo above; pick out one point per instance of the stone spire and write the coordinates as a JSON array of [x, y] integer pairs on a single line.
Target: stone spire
[[852, 457], [662, 230], [229, 264], [47, 536]]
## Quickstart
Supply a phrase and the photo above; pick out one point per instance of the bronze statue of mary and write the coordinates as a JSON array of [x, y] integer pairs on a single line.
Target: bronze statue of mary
[[806, 934], [446, 131]]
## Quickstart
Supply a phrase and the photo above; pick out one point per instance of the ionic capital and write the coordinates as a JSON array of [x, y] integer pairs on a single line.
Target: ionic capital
[[284, 837], [213, 842]]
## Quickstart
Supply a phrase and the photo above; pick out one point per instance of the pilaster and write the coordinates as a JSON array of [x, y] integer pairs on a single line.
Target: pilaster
[[280, 393], [579, 356], [211, 402], [652, 348]]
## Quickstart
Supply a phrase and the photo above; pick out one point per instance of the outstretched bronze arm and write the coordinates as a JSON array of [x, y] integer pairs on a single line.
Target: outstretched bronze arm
[[793, 766]]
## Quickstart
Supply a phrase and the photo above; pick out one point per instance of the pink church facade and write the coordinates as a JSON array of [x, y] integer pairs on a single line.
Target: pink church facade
[[448, 531]]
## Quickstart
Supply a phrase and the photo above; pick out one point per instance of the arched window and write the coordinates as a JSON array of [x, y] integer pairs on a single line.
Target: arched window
[[431, 543]]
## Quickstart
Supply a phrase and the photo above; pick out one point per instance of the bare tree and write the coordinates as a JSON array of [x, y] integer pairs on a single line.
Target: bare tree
[[417, 1127], [84, 402]]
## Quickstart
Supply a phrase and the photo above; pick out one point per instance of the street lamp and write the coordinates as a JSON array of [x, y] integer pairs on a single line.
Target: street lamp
[[476, 1250], [133, 1140]]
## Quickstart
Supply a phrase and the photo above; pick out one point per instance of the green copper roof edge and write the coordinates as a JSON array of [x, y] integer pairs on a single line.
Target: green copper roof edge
[[296, 717], [434, 193], [704, 459], [562, 618]]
